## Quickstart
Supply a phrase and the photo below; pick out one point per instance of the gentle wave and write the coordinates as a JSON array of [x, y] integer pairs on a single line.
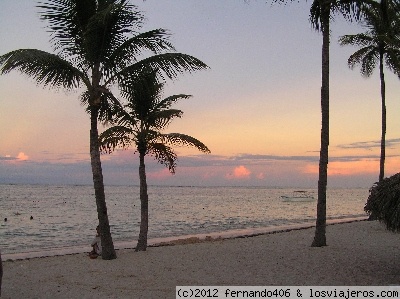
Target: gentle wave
[[65, 216]]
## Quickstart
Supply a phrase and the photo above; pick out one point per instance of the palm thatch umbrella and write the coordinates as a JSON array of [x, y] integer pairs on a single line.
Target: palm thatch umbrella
[[384, 202]]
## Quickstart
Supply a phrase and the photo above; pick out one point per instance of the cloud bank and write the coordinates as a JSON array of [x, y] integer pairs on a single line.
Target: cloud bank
[[121, 168]]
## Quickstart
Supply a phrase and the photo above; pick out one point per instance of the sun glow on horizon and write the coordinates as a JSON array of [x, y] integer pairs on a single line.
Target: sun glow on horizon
[[349, 168]]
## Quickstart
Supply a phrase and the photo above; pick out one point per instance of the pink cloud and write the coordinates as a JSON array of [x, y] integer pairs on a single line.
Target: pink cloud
[[161, 174], [208, 175], [239, 172], [22, 157], [261, 176]]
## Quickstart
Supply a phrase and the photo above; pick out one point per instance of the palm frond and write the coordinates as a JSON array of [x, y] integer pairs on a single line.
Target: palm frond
[[361, 40], [108, 29], [123, 117], [109, 107], [315, 14], [161, 119], [67, 22], [365, 57], [369, 64], [178, 139], [142, 91], [129, 52], [352, 10], [164, 155], [84, 98], [44, 67], [392, 60], [113, 137], [89, 28], [382, 21], [168, 64], [168, 101]]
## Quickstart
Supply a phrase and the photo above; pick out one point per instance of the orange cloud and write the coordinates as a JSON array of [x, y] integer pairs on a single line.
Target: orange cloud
[[22, 157], [239, 172]]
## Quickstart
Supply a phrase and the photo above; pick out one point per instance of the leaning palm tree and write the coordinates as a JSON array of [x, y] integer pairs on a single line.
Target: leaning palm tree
[[141, 123], [97, 46], [320, 16], [379, 45]]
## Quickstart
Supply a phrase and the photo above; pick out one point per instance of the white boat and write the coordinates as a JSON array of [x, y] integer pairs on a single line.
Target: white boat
[[298, 196]]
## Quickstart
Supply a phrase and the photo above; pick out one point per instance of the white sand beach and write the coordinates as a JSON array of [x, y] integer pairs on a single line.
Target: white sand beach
[[358, 253]]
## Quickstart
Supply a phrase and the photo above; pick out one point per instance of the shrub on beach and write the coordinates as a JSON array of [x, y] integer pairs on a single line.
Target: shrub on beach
[[384, 202]]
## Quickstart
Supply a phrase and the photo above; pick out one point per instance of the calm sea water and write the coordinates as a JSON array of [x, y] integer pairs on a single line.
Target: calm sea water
[[65, 216]]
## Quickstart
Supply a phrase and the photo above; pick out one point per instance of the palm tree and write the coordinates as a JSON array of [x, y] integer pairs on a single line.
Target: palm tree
[[320, 17], [141, 123], [97, 47], [378, 45]]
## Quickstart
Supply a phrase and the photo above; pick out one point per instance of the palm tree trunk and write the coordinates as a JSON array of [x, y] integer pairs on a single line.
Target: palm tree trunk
[[383, 136], [108, 251], [320, 230], [144, 206]]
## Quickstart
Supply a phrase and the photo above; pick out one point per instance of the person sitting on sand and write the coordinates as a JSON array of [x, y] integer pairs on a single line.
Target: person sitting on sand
[[96, 244]]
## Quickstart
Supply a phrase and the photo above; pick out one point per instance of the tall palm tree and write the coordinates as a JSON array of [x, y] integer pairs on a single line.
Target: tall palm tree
[[141, 123], [379, 45], [97, 46], [321, 12]]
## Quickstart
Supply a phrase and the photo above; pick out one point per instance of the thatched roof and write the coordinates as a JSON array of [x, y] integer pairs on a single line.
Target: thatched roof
[[384, 202]]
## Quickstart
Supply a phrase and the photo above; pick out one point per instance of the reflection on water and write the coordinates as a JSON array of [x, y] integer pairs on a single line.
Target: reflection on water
[[65, 216]]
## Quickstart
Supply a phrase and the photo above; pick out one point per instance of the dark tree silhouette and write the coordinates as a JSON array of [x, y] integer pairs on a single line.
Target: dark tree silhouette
[[379, 45], [97, 46], [141, 122]]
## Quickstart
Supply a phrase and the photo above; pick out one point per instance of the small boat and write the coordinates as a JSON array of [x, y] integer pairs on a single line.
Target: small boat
[[299, 195]]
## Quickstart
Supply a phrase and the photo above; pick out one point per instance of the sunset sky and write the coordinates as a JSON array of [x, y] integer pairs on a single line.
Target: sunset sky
[[257, 108]]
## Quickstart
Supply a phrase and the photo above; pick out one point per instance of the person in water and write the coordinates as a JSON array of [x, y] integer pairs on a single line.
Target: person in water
[[96, 244]]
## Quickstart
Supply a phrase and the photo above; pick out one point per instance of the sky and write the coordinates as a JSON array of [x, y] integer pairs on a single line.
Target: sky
[[257, 107]]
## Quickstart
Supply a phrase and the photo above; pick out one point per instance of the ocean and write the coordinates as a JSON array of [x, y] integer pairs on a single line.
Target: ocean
[[35, 218]]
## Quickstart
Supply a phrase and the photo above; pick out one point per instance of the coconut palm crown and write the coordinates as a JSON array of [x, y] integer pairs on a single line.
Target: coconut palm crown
[[140, 124], [97, 46], [381, 38]]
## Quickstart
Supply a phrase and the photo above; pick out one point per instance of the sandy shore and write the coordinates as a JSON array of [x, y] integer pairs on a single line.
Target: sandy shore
[[358, 253]]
